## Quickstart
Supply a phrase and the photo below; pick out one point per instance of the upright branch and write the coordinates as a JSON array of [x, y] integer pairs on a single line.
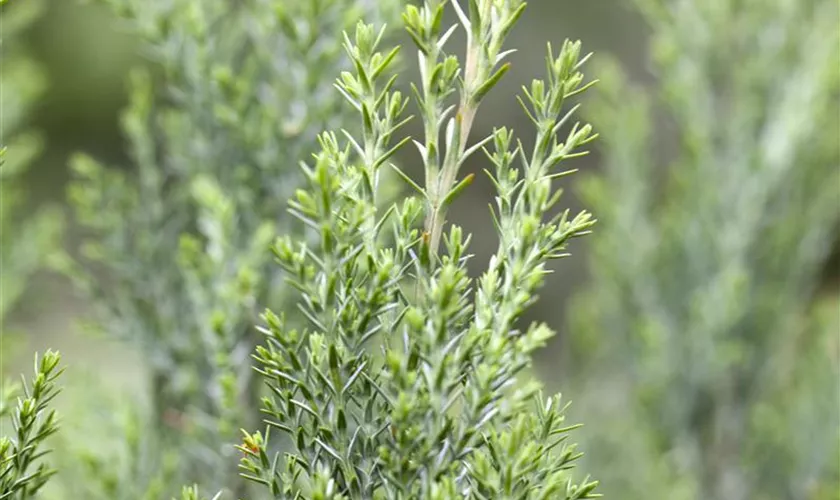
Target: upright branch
[[22, 471], [389, 395], [487, 24]]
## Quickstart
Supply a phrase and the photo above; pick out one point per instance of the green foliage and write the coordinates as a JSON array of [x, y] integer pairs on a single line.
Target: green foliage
[[175, 256], [111, 449], [406, 378], [695, 348], [27, 241], [22, 469], [192, 493]]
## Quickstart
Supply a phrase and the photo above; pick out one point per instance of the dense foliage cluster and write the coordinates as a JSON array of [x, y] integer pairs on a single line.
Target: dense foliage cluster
[[28, 408], [405, 380], [176, 259]]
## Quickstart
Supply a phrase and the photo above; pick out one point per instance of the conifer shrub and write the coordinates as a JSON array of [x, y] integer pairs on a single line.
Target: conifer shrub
[[382, 369], [403, 378]]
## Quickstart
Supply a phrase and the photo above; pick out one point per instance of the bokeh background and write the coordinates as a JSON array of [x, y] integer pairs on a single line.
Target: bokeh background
[[87, 54]]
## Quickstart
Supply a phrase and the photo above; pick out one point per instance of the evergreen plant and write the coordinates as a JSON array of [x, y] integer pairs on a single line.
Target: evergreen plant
[[406, 378]]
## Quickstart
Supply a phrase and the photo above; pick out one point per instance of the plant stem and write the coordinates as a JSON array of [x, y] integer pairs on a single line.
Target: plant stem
[[444, 182]]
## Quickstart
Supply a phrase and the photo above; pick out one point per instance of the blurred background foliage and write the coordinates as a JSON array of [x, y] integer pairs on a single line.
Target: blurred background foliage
[[25, 247], [698, 332], [703, 315]]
